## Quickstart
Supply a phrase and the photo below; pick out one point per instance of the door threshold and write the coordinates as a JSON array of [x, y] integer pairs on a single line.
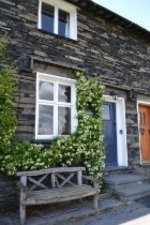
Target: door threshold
[[145, 164], [109, 168]]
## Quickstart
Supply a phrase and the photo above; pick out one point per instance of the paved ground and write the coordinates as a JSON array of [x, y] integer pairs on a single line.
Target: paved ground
[[137, 213], [132, 215], [111, 212], [145, 201]]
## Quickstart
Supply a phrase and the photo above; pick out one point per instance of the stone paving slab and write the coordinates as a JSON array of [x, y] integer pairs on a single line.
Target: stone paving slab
[[133, 214], [134, 189], [145, 201], [124, 179]]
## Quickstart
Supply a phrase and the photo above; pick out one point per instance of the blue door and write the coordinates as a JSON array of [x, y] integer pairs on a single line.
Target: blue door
[[109, 116]]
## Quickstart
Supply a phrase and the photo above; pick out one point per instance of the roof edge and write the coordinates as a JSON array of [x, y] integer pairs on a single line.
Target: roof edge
[[129, 23], [118, 16]]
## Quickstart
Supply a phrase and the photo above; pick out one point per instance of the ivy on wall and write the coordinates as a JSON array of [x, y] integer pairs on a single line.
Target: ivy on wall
[[7, 115], [84, 147]]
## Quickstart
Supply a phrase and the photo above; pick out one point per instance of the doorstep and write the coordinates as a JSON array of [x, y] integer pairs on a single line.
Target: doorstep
[[112, 170]]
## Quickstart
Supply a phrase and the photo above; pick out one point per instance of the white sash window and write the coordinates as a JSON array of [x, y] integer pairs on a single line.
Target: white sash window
[[55, 106], [58, 17]]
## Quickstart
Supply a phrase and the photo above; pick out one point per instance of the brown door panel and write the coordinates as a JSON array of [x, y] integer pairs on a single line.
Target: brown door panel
[[144, 114]]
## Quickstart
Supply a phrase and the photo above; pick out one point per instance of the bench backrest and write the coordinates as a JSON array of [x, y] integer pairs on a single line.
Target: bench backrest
[[58, 177]]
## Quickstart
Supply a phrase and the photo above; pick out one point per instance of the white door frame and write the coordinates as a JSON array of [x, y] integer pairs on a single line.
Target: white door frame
[[146, 102], [122, 153]]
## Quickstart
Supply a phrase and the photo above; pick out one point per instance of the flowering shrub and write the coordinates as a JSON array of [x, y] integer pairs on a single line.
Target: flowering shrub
[[84, 147]]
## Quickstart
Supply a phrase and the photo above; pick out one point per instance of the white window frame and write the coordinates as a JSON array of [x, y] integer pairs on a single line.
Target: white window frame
[[56, 80], [67, 7]]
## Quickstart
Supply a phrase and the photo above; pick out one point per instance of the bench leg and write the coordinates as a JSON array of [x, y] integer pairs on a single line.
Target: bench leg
[[22, 214], [95, 201]]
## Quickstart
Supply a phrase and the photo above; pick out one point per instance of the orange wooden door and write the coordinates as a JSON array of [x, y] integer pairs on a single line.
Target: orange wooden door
[[144, 115]]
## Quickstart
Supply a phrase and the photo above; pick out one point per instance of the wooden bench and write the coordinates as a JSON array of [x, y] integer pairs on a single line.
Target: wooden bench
[[54, 185]]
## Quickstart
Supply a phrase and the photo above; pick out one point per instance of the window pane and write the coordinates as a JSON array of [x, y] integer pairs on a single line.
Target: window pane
[[64, 93], [46, 91], [45, 120], [63, 23], [64, 120], [106, 112], [47, 17]]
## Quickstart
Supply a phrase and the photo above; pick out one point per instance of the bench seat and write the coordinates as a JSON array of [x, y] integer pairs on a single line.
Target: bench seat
[[55, 185], [59, 195]]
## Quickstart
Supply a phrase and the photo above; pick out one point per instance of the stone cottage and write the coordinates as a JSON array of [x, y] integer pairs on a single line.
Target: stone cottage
[[49, 40]]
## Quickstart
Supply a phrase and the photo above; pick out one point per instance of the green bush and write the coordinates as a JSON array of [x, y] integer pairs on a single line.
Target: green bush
[[84, 147], [23, 155]]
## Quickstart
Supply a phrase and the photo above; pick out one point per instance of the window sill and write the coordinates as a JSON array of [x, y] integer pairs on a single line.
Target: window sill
[[57, 36], [46, 141], [42, 141]]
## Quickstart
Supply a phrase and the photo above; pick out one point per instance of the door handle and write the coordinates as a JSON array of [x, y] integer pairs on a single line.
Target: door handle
[[121, 131], [142, 130]]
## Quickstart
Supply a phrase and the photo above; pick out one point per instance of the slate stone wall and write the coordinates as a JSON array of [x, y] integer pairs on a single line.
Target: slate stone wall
[[104, 48], [120, 56], [9, 193]]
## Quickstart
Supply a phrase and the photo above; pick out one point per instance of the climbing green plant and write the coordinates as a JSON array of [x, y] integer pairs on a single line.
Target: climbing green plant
[[84, 147], [7, 115]]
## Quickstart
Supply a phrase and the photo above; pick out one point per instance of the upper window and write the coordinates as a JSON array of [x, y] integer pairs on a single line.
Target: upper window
[[58, 17], [55, 106]]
